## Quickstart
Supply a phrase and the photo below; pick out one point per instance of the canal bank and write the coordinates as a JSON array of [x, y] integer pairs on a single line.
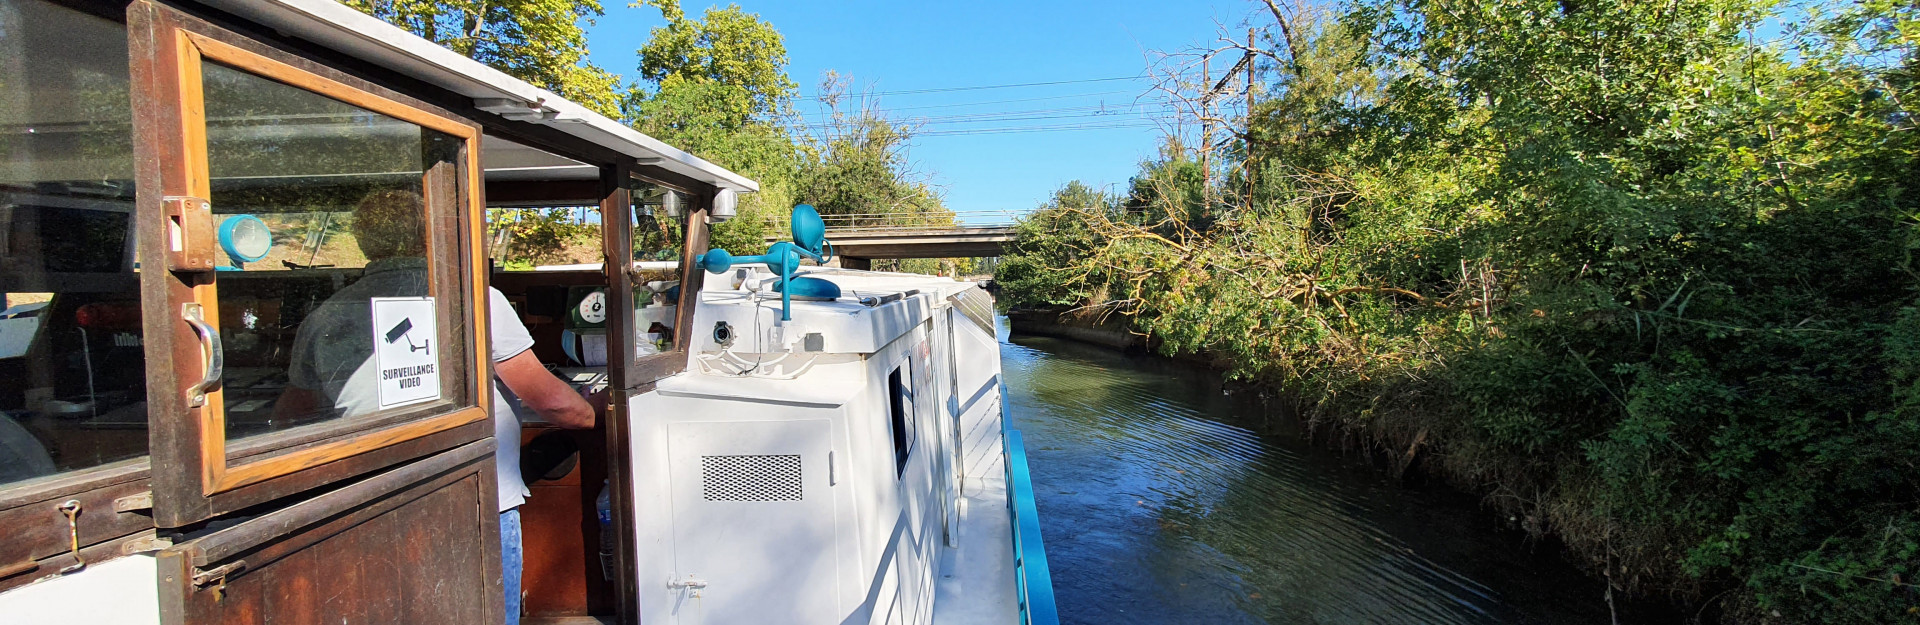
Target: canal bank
[[1165, 500]]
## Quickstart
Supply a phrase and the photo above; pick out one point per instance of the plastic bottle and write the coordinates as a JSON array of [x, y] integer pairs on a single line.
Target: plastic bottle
[[603, 509]]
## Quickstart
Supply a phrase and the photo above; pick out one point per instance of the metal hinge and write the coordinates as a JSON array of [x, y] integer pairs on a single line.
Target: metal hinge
[[134, 503], [145, 544]]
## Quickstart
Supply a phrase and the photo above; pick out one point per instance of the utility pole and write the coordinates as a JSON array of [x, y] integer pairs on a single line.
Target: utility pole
[[1206, 132], [1246, 162], [1206, 115]]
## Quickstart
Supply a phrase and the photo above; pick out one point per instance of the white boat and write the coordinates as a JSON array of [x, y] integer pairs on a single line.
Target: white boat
[[835, 459]]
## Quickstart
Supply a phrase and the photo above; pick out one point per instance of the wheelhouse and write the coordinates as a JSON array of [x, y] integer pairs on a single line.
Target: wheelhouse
[[185, 184]]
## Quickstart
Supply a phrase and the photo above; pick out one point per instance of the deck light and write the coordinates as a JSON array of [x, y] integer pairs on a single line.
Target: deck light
[[725, 202]]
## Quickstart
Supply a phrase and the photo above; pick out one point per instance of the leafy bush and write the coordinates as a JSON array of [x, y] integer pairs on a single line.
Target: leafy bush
[[1638, 276]]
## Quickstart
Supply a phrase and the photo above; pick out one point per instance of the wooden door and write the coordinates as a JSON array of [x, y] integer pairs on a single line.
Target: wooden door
[[325, 452]]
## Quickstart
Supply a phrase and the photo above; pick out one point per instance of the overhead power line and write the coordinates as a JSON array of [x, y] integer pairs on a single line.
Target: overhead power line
[[965, 104], [1008, 116], [982, 87], [1027, 129]]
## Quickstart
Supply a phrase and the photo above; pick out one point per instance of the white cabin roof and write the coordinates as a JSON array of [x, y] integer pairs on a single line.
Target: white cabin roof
[[367, 38]]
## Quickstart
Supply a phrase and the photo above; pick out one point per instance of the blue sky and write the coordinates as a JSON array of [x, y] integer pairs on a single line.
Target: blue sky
[[891, 47]]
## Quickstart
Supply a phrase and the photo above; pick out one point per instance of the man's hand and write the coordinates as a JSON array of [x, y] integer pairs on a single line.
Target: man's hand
[[554, 400], [597, 399]]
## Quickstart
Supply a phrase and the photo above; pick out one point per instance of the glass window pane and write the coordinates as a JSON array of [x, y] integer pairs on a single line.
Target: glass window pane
[[659, 234], [320, 209], [72, 375]]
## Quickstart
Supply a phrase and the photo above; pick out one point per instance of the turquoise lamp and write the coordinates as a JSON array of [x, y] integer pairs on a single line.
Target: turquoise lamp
[[809, 242], [245, 239]]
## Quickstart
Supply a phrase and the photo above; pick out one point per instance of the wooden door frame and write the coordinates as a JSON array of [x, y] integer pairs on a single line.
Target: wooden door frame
[[616, 239], [167, 46]]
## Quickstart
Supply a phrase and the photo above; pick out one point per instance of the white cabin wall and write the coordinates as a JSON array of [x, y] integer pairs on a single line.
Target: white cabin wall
[[978, 355], [651, 416], [911, 498], [122, 591]]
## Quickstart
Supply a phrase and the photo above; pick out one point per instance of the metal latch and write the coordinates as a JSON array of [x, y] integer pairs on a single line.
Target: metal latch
[[218, 573], [72, 510], [690, 582], [217, 577], [190, 234]]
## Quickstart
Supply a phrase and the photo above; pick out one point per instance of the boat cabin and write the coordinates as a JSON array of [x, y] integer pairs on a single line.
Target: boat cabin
[[193, 430]]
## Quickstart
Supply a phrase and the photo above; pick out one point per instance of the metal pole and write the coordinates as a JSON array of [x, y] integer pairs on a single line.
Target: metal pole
[[1246, 162]]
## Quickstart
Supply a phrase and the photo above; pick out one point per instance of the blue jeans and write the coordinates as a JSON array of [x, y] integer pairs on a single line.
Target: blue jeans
[[510, 562]]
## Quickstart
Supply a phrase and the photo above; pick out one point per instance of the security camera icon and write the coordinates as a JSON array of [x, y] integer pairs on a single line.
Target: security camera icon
[[400, 330]]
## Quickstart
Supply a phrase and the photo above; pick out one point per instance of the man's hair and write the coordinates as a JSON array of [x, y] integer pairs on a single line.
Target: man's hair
[[391, 224]]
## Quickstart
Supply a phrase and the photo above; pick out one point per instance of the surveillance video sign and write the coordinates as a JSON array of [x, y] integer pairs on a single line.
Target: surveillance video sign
[[404, 336]]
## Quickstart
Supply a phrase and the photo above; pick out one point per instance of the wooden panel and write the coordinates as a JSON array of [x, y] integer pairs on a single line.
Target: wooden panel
[[158, 165], [40, 530], [556, 546], [21, 574], [561, 537], [356, 465], [426, 553]]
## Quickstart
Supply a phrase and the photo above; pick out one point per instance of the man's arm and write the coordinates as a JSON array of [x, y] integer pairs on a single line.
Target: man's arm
[[295, 403], [554, 400]]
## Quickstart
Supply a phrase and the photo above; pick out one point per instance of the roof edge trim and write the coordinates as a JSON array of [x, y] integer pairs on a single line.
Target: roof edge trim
[[345, 30]]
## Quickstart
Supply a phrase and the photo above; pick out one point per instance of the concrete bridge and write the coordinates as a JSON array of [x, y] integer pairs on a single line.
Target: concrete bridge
[[858, 239], [858, 249]]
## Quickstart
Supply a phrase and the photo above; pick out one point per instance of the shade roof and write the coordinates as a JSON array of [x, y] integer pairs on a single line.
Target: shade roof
[[340, 28]]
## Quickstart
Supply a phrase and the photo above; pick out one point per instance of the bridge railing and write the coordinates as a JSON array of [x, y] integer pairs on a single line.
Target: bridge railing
[[907, 222]]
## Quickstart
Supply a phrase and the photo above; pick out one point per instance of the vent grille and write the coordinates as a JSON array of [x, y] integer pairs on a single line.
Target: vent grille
[[750, 478]]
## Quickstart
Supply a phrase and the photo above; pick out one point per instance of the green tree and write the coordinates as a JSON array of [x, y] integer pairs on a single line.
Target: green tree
[[1060, 234], [717, 86], [539, 41], [733, 59]]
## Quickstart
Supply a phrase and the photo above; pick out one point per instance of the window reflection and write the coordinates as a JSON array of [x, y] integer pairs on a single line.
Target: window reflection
[[659, 236], [72, 374], [320, 209]]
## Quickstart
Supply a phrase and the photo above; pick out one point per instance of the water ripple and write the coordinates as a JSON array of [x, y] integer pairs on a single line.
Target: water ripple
[[1157, 508]]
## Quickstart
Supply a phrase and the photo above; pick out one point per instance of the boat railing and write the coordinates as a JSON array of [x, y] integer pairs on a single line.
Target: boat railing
[[1033, 581]]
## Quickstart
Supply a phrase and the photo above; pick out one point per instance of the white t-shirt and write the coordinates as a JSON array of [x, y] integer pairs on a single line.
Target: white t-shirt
[[509, 339]]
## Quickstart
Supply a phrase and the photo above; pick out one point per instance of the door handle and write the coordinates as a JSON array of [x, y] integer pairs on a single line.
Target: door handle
[[210, 344]]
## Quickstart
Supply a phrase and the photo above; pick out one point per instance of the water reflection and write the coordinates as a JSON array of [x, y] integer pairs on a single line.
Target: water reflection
[[1157, 509]]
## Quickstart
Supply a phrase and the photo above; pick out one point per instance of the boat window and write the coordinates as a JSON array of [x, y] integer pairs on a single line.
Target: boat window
[[72, 374], [900, 409], [320, 209], [659, 237]]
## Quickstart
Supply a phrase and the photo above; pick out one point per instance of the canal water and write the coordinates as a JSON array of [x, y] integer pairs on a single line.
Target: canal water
[[1158, 505]]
